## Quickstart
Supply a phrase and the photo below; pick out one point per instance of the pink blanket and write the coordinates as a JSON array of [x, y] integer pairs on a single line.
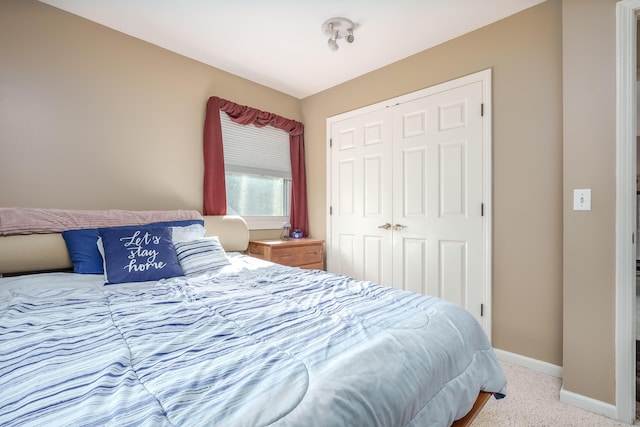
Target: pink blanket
[[36, 220]]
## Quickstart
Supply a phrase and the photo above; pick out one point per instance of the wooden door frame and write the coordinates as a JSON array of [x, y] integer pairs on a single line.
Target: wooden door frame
[[483, 76]]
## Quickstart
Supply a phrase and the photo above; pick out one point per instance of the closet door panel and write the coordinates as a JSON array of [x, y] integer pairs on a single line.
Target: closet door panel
[[452, 189], [347, 188], [414, 182], [346, 250], [414, 265], [361, 201], [452, 281], [373, 188], [373, 253], [438, 194]]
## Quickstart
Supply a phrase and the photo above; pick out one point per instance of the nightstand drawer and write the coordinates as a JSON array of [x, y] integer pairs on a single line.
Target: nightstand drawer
[[256, 250], [303, 253], [315, 266], [299, 255]]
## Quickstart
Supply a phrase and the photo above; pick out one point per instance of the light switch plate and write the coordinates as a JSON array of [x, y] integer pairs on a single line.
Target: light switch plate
[[582, 199]]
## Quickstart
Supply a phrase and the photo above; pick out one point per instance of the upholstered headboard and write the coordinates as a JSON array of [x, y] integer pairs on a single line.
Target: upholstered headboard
[[231, 230], [38, 252]]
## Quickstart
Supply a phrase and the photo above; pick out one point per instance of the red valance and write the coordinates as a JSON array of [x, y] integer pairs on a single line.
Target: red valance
[[215, 196]]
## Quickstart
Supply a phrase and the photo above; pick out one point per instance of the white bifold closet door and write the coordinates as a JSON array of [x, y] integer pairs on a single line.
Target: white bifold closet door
[[406, 195]]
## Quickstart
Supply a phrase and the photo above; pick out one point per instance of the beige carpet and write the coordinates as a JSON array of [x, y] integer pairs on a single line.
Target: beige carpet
[[533, 400]]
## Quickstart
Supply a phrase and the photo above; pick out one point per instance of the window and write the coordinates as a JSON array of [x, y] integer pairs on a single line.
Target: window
[[257, 173]]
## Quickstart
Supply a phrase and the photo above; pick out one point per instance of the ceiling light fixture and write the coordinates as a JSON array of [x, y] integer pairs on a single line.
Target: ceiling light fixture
[[337, 28]]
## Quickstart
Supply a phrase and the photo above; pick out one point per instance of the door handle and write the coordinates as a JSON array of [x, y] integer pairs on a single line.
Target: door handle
[[399, 227], [385, 226]]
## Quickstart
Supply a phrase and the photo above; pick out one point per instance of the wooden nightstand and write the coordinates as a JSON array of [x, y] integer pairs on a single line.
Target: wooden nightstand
[[303, 253]]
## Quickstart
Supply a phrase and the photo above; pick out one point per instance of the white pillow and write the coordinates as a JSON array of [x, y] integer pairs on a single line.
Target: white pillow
[[187, 233], [201, 255]]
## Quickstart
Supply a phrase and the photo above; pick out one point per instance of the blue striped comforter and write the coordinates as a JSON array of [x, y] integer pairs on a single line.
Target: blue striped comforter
[[257, 344]]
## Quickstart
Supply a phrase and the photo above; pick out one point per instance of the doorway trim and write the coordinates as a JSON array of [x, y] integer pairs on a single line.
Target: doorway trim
[[626, 11]]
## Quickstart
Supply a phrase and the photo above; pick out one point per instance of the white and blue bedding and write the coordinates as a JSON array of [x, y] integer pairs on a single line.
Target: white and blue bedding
[[254, 344]]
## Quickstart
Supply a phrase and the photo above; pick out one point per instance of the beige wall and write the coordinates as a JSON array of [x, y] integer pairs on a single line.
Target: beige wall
[[527, 161], [589, 95], [93, 119]]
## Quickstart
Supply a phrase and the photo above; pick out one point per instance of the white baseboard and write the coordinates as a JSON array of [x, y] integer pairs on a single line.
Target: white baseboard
[[528, 362], [568, 397], [588, 404]]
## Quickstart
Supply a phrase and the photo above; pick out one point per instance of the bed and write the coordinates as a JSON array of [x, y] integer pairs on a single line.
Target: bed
[[247, 343]]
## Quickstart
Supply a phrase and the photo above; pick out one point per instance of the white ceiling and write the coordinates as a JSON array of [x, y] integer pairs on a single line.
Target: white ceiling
[[280, 43]]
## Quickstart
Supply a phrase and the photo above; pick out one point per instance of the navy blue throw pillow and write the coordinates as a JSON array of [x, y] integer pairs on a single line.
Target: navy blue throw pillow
[[138, 254]]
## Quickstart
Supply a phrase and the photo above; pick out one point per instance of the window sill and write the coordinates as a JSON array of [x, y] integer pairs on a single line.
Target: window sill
[[265, 223]]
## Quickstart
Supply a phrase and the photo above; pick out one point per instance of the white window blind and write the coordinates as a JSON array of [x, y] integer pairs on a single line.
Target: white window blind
[[257, 173], [254, 150]]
